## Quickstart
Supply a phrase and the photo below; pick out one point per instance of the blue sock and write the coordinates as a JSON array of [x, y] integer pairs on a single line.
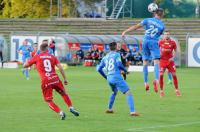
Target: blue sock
[[130, 102], [169, 76], [112, 100], [156, 71], [145, 72], [26, 73]]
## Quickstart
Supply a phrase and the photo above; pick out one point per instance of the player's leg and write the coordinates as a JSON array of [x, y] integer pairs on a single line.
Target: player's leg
[[175, 81], [162, 71], [48, 97], [25, 70], [123, 73], [60, 89], [155, 53], [145, 73], [145, 58], [124, 88], [112, 98], [169, 77], [172, 69]]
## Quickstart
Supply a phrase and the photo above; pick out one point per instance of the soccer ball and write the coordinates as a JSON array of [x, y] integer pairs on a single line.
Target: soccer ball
[[152, 7]]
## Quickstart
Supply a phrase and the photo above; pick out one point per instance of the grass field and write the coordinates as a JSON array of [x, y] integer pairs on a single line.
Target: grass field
[[23, 109]]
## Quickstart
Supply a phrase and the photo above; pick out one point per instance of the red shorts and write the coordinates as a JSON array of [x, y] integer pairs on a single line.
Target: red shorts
[[165, 64], [49, 84]]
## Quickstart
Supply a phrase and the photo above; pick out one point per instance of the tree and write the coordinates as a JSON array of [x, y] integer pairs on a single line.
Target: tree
[[34, 8], [197, 8]]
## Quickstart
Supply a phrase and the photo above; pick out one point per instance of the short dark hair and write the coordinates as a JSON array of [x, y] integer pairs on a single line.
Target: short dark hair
[[159, 11], [45, 41], [43, 46], [166, 31], [113, 46]]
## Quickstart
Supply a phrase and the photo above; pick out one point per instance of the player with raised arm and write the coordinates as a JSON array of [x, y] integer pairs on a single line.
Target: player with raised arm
[[113, 65], [167, 47], [154, 27], [45, 65], [25, 50]]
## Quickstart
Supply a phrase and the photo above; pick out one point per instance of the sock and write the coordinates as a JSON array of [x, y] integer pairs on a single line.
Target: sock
[[67, 100], [169, 76], [145, 72], [175, 80], [124, 75], [161, 81], [112, 100], [26, 73], [130, 102], [54, 107], [156, 71]]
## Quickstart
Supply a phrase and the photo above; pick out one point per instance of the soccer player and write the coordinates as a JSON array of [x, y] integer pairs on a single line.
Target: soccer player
[[124, 56], [35, 47], [50, 51], [50, 81], [167, 47], [113, 65], [25, 50], [154, 28]]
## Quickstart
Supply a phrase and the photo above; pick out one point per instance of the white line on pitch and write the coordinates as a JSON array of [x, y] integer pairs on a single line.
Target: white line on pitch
[[163, 126]]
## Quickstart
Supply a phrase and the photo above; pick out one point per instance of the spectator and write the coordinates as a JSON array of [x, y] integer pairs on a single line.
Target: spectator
[[79, 55], [137, 58], [95, 55], [88, 55]]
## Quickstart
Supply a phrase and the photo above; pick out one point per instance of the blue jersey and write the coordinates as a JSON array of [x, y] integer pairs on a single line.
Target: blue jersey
[[26, 50], [154, 28], [112, 64], [50, 51]]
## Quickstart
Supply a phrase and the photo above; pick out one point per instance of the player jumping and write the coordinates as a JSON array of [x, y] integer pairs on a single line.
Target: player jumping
[[113, 65], [167, 47], [154, 28], [45, 64]]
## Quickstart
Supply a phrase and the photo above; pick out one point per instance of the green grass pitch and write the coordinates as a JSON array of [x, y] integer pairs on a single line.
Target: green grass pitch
[[22, 108]]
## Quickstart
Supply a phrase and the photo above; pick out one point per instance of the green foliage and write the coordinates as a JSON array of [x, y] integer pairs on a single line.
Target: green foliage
[[33, 8], [181, 8]]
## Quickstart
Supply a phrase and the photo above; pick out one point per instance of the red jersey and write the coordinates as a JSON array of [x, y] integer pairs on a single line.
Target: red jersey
[[166, 49], [45, 65], [33, 53]]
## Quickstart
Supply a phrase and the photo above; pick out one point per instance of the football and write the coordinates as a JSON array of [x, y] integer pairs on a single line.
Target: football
[[152, 7]]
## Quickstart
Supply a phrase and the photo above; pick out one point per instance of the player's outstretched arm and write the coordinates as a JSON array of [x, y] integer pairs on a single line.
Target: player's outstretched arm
[[132, 28], [62, 73]]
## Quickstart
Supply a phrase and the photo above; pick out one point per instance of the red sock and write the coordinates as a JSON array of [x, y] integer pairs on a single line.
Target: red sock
[[67, 100], [161, 81], [175, 80], [54, 107]]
